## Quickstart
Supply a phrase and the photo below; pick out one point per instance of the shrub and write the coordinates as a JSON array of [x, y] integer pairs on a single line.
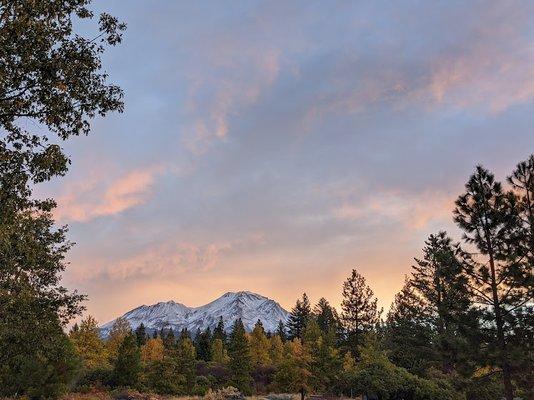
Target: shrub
[[227, 393]]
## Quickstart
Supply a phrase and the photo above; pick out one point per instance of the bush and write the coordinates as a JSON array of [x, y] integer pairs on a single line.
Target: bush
[[94, 378], [227, 393]]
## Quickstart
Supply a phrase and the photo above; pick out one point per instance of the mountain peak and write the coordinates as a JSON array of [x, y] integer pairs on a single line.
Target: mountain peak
[[246, 305]]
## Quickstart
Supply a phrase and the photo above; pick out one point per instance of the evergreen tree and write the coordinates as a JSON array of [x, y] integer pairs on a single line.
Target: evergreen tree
[[440, 281], [141, 335], [127, 365], [169, 341], [259, 345], [203, 345], [219, 332], [522, 181], [497, 277], [240, 362], [184, 333], [359, 306], [88, 344], [326, 316], [298, 318], [281, 331], [409, 333]]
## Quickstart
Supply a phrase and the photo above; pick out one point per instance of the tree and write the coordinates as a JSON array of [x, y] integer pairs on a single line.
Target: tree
[[34, 307], [522, 182], [359, 306], [497, 277], [293, 373], [325, 364], [298, 318], [153, 350], [37, 359], [119, 330], [259, 345], [187, 361], [88, 344], [408, 334], [240, 362], [219, 354], [276, 350], [281, 331], [326, 316], [127, 365], [203, 345], [439, 280], [169, 340], [140, 335], [219, 332], [52, 76]]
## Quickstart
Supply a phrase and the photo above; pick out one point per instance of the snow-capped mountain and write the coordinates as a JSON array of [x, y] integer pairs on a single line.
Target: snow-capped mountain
[[245, 305]]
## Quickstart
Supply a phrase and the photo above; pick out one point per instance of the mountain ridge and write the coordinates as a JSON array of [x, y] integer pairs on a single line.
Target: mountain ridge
[[230, 306]]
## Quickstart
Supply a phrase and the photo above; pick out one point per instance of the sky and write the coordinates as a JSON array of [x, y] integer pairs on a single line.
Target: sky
[[273, 146]]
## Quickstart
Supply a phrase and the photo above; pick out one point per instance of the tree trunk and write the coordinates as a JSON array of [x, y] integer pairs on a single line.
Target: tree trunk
[[505, 365]]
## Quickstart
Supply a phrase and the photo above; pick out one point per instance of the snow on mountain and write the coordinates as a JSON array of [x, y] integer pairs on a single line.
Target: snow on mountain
[[245, 305]]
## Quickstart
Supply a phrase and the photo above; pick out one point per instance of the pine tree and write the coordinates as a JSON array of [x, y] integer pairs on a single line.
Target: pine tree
[[141, 335], [326, 316], [240, 362], [203, 345], [298, 318], [169, 341], [88, 344], [259, 345], [359, 306], [522, 181], [496, 277], [281, 331], [127, 365], [219, 332], [409, 333], [184, 333], [441, 283]]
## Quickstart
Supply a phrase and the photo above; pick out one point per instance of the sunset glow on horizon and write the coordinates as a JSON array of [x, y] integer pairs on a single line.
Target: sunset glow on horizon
[[275, 146]]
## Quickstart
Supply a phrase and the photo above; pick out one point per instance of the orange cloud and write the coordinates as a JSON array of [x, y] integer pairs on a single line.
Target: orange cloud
[[92, 199]]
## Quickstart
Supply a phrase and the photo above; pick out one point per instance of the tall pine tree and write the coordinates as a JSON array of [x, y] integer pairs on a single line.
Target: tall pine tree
[[360, 313], [497, 279], [240, 362], [298, 318]]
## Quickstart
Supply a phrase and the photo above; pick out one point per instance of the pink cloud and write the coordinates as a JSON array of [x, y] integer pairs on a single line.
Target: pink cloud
[[97, 197]]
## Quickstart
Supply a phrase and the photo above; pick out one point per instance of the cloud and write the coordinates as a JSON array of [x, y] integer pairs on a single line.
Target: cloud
[[164, 260], [234, 74], [98, 196], [414, 210]]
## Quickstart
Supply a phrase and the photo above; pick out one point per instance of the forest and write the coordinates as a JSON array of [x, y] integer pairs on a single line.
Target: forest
[[462, 327]]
